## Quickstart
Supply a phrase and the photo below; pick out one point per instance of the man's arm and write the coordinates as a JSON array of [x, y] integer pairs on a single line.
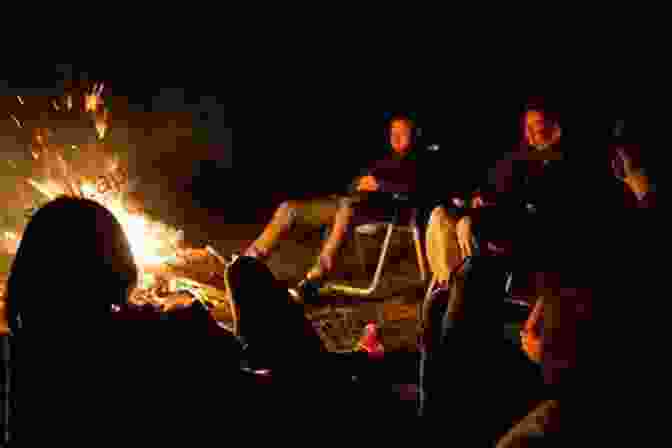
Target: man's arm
[[392, 176], [635, 178]]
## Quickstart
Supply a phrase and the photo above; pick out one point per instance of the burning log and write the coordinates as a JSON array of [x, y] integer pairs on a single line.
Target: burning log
[[192, 275], [200, 265]]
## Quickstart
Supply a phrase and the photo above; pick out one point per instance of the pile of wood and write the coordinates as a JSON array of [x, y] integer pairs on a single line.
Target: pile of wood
[[195, 274]]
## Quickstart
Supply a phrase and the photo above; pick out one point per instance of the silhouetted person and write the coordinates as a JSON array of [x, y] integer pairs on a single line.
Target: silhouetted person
[[72, 266], [83, 373], [280, 340]]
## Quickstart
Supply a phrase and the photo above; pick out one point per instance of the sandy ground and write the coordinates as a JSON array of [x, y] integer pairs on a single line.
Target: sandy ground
[[393, 306]]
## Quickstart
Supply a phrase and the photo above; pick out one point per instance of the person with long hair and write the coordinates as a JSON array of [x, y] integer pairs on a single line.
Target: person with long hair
[[72, 266], [84, 362]]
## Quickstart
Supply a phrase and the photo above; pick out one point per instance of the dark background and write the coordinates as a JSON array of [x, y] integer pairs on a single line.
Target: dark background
[[302, 133]]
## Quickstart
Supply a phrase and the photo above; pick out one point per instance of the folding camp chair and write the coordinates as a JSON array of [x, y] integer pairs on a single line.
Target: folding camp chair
[[393, 223]]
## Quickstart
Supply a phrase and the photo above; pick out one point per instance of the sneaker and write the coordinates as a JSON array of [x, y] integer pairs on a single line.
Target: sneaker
[[308, 290], [368, 229], [369, 342]]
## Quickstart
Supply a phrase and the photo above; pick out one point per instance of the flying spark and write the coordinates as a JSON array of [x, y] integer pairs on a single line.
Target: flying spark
[[16, 120], [20, 99]]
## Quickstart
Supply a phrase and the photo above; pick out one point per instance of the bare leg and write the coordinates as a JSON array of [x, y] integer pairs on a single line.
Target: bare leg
[[336, 238], [542, 421], [464, 236], [280, 223], [443, 249]]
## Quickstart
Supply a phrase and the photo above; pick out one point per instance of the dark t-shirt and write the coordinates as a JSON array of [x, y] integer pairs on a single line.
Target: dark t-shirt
[[394, 174]]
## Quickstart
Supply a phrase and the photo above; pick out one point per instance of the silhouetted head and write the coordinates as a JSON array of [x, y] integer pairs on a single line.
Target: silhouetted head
[[73, 263], [267, 320], [257, 299]]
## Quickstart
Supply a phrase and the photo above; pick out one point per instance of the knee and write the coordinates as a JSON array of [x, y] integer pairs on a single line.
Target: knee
[[346, 203], [441, 217], [288, 205], [287, 209]]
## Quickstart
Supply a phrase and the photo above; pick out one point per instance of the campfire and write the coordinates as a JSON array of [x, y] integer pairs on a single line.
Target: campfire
[[170, 273]]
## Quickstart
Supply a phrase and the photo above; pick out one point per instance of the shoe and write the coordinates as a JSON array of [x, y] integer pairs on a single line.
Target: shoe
[[308, 290], [369, 342], [368, 229]]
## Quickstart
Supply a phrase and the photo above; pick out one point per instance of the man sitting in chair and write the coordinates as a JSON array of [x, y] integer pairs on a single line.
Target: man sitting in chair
[[369, 201], [534, 179], [541, 193]]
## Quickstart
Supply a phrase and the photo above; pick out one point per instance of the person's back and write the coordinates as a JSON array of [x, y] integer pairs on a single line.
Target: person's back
[[82, 373], [179, 372]]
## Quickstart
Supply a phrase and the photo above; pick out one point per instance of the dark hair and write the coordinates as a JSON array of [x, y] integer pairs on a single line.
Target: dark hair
[[256, 295], [268, 320], [74, 262], [551, 112]]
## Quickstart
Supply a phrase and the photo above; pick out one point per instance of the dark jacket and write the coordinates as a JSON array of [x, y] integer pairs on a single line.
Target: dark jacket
[[559, 181]]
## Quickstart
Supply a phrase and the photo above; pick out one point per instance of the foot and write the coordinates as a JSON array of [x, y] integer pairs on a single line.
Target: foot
[[307, 292]]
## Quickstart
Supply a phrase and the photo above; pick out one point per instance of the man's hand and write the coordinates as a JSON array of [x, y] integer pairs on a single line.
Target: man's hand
[[529, 337], [626, 170], [368, 183], [531, 343], [623, 165]]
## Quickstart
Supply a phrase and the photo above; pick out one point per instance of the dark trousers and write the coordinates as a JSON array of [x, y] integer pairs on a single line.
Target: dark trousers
[[471, 378]]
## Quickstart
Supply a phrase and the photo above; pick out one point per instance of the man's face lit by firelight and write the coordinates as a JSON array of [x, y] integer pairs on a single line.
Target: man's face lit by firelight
[[400, 136], [540, 131]]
